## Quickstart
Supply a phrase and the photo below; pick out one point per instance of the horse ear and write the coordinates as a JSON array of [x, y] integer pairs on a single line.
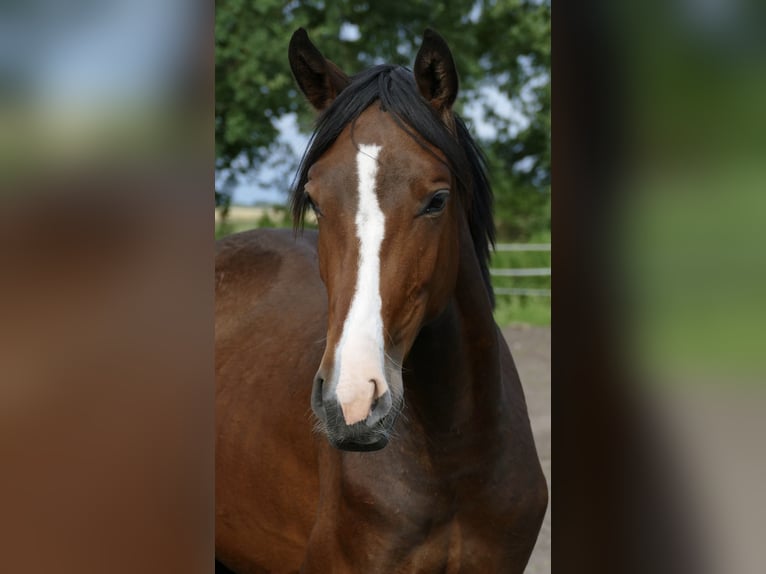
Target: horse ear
[[318, 78], [435, 72]]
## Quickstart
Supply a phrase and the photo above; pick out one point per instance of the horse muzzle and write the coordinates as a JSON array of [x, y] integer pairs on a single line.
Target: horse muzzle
[[370, 433]]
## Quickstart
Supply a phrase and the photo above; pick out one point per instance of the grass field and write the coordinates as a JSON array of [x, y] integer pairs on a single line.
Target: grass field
[[532, 310], [509, 309]]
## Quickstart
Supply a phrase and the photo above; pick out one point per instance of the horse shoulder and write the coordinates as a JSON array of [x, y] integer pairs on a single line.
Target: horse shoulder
[[270, 307]]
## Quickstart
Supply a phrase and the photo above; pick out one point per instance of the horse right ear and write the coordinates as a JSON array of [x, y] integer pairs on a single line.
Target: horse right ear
[[435, 74], [318, 78]]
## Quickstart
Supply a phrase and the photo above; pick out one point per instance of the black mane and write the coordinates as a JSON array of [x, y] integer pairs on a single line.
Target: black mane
[[395, 88]]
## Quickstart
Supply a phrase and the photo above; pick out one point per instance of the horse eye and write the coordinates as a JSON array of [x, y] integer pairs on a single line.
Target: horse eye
[[437, 202], [313, 205]]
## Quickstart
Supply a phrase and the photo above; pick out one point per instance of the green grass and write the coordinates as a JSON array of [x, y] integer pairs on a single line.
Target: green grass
[[533, 310], [281, 219], [513, 309]]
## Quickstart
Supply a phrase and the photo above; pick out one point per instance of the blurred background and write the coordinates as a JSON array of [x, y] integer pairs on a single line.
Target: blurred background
[[106, 299], [502, 52], [660, 346]]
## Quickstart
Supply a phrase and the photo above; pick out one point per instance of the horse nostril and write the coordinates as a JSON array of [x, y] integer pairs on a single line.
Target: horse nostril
[[380, 408], [317, 399]]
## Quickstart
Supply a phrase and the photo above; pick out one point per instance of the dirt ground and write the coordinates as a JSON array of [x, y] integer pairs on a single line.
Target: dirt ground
[[531, 349]]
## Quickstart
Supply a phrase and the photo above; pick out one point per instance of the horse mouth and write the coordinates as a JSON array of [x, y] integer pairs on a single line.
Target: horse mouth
[[378, 443], [360, 437]]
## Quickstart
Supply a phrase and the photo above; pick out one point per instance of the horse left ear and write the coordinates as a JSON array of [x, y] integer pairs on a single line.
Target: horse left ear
[[435, 73], [318, 78]]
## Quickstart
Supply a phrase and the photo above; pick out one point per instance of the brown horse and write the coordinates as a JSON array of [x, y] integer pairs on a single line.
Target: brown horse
[[421, 457]]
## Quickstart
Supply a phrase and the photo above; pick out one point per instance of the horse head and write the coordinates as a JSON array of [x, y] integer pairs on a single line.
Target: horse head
[[386, 177]]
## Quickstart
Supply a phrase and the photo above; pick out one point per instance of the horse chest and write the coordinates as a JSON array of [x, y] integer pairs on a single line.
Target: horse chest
[[406, 520], [459, 545]]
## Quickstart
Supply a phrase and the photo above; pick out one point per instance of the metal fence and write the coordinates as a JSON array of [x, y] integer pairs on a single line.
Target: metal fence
[[527, 272]]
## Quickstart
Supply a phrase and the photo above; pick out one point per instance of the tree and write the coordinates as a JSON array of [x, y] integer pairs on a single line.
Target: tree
[[501, 49]]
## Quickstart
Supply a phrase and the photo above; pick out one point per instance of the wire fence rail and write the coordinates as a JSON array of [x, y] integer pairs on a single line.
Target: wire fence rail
[[525, 272], [523, 247]]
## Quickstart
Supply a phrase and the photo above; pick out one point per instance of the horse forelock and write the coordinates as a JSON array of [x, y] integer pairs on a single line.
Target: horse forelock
[[395, 89]]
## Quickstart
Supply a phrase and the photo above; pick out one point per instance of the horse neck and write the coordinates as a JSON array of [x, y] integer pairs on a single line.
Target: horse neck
[[454, 366]]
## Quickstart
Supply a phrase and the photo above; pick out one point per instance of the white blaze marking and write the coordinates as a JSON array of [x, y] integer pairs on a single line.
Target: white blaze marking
[[360, 352]]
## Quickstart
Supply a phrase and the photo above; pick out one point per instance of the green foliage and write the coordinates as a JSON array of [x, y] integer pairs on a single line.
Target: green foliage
[[500, 46], [522, 210]]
